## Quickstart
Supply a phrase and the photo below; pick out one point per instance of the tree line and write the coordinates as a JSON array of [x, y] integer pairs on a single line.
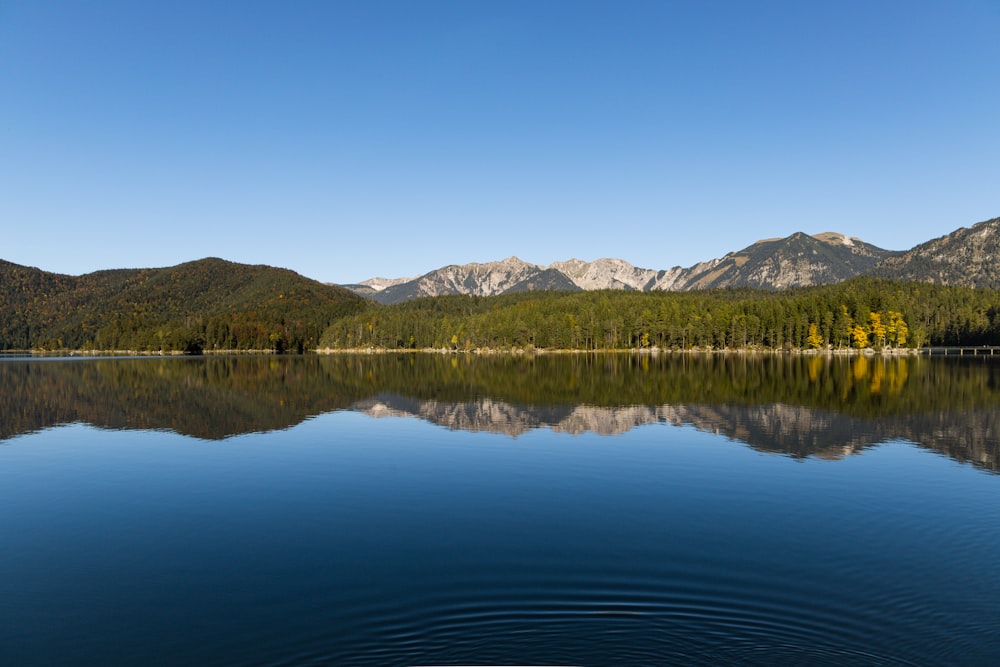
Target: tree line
[[860, 313]]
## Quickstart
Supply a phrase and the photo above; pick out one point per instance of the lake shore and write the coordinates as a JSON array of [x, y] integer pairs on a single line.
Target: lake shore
[[475, 351], [640, 351]]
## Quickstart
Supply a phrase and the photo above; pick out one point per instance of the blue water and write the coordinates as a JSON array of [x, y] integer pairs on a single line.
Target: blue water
[[349, 540]]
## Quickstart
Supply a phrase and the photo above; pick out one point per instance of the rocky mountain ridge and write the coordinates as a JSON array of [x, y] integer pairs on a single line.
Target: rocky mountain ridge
[[964, 257], [968, 256]]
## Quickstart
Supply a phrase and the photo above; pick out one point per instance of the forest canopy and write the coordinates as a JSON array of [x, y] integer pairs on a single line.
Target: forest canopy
[[203, 305], [859, 313]]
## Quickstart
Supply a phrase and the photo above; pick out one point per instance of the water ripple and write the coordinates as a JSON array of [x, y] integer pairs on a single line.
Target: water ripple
[[673, 622]]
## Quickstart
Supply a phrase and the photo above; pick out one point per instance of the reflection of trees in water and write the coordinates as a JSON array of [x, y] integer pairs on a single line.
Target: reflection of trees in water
[[207, 398], [792, 404]]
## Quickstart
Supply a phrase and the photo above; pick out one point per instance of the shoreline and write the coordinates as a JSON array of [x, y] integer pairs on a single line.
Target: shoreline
[[653, 351], [132, 353], [650, 351]]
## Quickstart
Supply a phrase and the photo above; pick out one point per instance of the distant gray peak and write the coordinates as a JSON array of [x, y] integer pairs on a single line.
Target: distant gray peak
[[605, 273], [379, 283]]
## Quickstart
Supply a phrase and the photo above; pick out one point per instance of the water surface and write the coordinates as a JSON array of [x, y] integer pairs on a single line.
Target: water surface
[[419, 510]]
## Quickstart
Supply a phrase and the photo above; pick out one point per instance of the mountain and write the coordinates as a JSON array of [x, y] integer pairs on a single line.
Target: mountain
[[372, 286], [799, 260], [209, 303], [607, 274], [969, 257], [503, 277]]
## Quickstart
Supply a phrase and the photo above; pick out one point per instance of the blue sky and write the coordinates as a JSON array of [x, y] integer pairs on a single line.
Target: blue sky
[[346, 140]]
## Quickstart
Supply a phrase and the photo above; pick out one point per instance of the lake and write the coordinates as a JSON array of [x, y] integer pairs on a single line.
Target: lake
[[456, 509]]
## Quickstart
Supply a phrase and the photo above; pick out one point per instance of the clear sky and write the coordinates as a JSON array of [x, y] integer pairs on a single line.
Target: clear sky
[[352, 139]]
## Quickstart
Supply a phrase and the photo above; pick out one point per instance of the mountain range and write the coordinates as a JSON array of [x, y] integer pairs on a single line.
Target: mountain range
[[966, 257], [212, 304]]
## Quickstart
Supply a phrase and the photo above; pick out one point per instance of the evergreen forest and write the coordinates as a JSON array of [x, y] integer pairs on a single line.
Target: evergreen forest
[[859, 313], [210, 304]]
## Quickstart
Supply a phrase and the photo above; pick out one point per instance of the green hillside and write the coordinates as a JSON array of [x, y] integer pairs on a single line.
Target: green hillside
[[203, 305]]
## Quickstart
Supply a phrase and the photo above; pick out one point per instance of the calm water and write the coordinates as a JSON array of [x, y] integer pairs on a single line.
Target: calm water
[[444, 510]]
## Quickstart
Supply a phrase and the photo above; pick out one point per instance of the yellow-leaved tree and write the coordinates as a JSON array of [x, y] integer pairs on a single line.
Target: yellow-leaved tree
[[859, 337], [898, 331], [814, 339], [877, 328]]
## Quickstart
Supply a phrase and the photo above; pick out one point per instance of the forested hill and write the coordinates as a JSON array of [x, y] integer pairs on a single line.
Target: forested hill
[[201, 305]]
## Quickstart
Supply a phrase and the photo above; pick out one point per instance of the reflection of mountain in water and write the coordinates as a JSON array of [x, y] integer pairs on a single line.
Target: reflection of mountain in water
[[205, 398], [776, 428], [799, 406]]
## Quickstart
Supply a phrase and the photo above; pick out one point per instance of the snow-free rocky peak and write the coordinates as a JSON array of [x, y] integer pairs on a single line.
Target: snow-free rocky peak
[[965, 257]]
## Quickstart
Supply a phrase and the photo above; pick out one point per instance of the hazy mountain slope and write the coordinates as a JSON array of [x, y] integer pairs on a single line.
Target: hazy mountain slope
[[546, 279], [379, 284], [360, 289], [968, 256]]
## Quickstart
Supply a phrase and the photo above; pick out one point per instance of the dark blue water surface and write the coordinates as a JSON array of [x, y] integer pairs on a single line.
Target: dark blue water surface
[[347, 539]]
